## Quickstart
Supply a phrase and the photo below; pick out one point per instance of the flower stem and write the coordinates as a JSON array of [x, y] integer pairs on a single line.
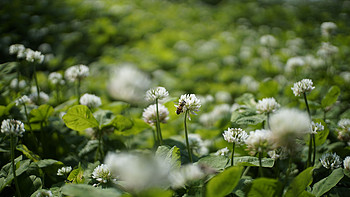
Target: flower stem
[[186, 135], [233, 152], [37, 85], [78, 89], [314, 148], [18, 75], [159, 132], [13, 144], [308, 164], [307, 105], [267, 120], [57, 94], [260, 165]]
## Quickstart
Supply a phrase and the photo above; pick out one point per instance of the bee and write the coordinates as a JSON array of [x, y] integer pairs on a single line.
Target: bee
[[179, 108]]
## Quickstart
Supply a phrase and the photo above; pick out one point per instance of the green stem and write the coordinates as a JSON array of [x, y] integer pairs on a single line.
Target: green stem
[[159, 132], [246, 171], [13, 144], [57, 94], [37, 85], [260, 165], [308, 164], [78, 89], [27, 116], [314, 148], [307, 105], [18, 75], [267, 120], [277, 169], [186, 135], [233, 152]]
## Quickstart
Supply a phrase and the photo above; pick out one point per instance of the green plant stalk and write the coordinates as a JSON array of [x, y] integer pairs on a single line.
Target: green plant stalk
[[13, 144], [159, 132], [27, 116], [314, 148], [186, 135], [260, 165], [37, 85], [57, 94], [277, 169], [245, 171], [78, 89], [267, 120], [18, 74], [99, 152], [310, 141], [233, 152]]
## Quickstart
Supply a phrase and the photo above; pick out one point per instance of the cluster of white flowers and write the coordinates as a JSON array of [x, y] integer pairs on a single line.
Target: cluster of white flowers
[[315, 127], [44, 193], [346, 163], [327, 50], [268, 40], [287, 125], [149, 114], [56, 78], [259, 141], [44, 98], [22, 100], [76, 72], [192, 103], [102, 174], [128, 83], [156, 93], [64, 171], [250, 83], [189, 172], [327, 28], [330, 161], [197, 144], [12, 127], [302, 86], [235, 135], [218, 113], [17, 49], [90, 100], [267, 105], [344, 130], [293, 63], [22, 84], [34, 56], [223, 151]]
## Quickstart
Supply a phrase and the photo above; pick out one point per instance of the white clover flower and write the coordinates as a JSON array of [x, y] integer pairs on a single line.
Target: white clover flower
[[344, 130], [223, 151], [90, 100], [259, 141], [197, 144], [34, 56], [102, 174], [293, 63], [268, 41], [149, 114], [12, 127], [327, 28], [330, 161], [44, 98], [327, 50], [156, 93], [235, 135], [302, 86], [267, 105], [17, 49], [44, 193], [187, 173], [56, 78], [64, 171], [14, 82], [346, 163], [287, 125], [22, 100], [315, 127], [189, 103], [76, 72]]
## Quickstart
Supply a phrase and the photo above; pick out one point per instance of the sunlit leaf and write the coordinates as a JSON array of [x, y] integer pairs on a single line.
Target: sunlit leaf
[[327, 183], [80, 118]]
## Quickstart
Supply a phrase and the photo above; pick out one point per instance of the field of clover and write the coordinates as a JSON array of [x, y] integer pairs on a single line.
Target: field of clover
[[174, 98]]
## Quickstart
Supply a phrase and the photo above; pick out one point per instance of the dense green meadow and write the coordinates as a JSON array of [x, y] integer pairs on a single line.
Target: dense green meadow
[[174, 98]]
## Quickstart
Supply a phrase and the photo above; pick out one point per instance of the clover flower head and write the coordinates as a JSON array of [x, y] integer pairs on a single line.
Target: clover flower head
[[302, 86], [346, 163], [327, 28], [223, 151], [344, 130], [149, 114], [259, 141], [44, 193], [64, 171], [294, 62], [197, 144], [235, 135], [90, 100], [76, 72], [190, 103], [267, 105], [102, 174], [56, 78], [268, 40], [156, 93], [344, 123], [14, 82], [22, 100], [330, 161], [17, 49], [327, 50], [315, 127], [12, 127], [34, 56]]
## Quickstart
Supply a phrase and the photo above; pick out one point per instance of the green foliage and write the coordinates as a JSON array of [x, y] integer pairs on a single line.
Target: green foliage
[[41, 114], [122, 123], [172, 156], [253, 161], [331, 97], [321, 136], [223, 183], [265, 187], [216, 162], [28, 153], [299, 183], [327, 183], [76, 176], [79, 118], [82, 190]]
